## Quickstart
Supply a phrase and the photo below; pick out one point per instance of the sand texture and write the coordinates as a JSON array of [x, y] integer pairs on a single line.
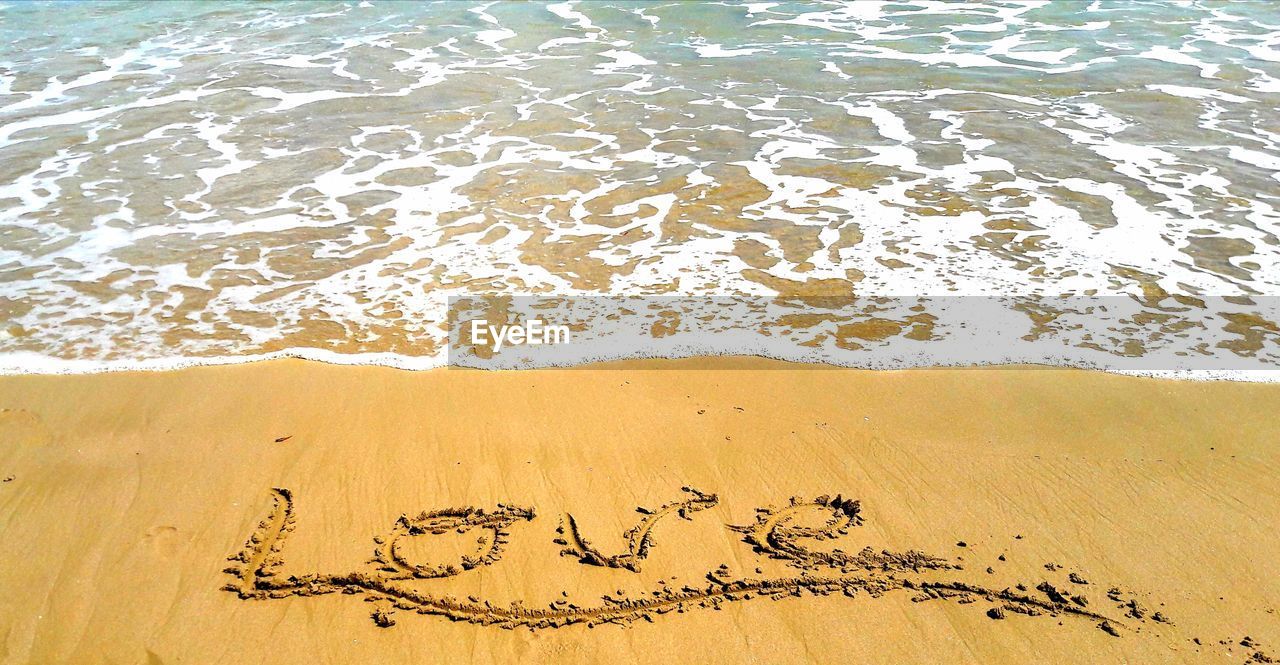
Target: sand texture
[[664, 511]]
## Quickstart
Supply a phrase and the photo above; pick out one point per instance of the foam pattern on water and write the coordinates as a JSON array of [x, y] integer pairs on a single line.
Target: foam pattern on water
[[197, 183]]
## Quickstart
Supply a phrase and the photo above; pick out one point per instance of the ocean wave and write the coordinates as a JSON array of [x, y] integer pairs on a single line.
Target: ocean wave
[[198, 184]]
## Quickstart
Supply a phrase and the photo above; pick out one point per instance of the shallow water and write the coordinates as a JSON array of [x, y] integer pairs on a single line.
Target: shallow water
[[196, 181]]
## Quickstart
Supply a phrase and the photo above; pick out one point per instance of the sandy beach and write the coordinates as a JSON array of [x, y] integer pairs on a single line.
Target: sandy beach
[[363, 331], [230, 514]]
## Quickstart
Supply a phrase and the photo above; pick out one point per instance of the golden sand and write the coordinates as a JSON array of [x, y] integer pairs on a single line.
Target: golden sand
[[291, 512]]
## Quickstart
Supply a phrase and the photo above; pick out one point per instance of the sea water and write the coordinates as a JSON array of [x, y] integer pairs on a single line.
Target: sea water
[[215, 182]]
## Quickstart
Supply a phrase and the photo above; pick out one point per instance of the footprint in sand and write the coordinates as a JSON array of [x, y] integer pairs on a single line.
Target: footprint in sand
[[163, 540], [19, 427]]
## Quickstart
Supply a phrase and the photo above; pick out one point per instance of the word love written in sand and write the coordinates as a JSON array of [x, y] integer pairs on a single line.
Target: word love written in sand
[[777, 533]]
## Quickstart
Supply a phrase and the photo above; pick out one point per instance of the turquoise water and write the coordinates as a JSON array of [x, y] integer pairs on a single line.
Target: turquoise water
[[182, 182]]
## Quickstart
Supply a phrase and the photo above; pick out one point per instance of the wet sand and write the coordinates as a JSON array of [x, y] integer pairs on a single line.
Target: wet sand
[[290, 511]]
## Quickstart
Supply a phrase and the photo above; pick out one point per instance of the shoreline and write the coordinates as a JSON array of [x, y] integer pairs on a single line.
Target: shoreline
[[413, 364], [655, 332], [129, 492]]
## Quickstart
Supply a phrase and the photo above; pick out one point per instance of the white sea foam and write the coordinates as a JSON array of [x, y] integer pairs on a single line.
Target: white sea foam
[[317, 181]]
